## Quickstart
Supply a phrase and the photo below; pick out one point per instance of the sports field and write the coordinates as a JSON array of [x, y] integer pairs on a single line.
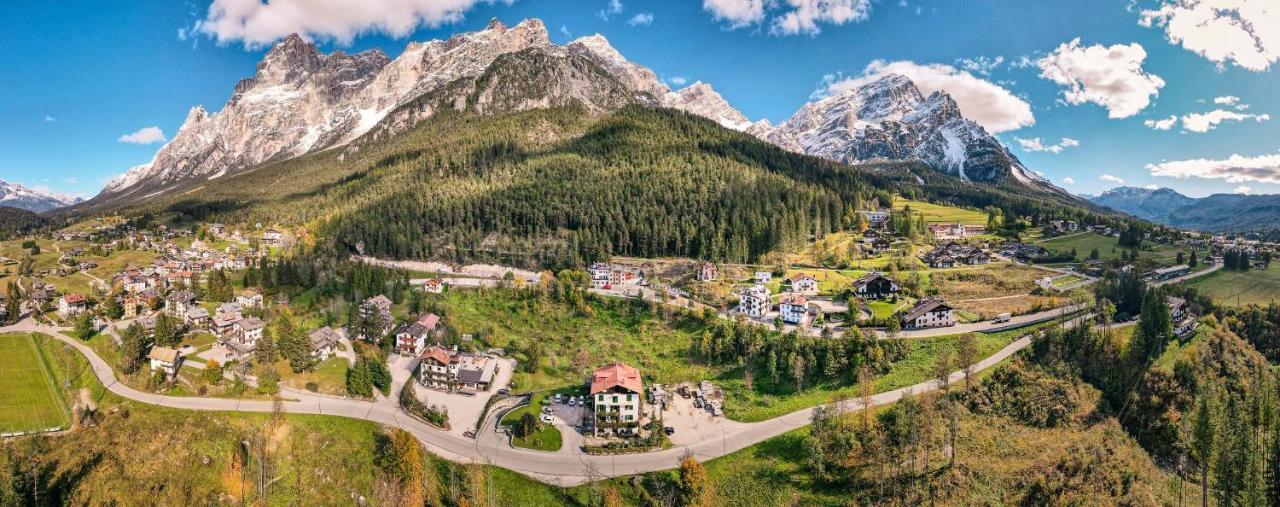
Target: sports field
[[28, 397]]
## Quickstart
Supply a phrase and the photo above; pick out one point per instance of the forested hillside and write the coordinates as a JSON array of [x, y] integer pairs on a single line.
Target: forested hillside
[[14, 221]]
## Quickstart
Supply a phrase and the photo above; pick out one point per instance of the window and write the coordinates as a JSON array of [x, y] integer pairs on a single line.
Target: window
[[615, 399]]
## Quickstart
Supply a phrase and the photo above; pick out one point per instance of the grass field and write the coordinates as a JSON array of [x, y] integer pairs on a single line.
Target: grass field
[[936, 213], [29, 399], [1240, 287], [546, 438], [1151, 255]]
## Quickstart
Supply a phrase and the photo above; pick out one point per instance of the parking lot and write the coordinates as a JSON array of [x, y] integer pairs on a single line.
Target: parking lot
[[567, 418], [693, 424]]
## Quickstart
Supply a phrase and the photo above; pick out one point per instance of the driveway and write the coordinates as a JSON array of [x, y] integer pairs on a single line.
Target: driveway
[[464, 409], [694, 424]]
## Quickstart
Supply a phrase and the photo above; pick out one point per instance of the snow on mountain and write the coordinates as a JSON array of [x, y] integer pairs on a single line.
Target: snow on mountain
[[300, 101], [890, 119], [19, 196]]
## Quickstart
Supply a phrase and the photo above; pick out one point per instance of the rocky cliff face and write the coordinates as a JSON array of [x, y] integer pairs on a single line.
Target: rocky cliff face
[[890, 119], [300, 100], [30, 199]]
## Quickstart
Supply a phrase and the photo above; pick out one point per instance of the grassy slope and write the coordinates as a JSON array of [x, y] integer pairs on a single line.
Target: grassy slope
[[1152, 254], [939, 213]]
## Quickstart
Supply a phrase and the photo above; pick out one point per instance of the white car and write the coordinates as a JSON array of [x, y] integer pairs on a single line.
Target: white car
[[546, 418]]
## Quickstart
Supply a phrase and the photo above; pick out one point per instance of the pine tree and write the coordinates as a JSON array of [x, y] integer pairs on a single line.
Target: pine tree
[[265, 350]]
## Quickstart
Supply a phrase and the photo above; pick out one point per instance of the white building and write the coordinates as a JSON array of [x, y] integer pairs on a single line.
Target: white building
[[754, 302], [793, 310], [763, 277], [707, 272], [931, 312], [165, 359], [617, 399], [804, 284]]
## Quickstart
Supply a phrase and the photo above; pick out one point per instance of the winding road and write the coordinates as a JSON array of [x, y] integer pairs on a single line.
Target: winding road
[[551, 468]]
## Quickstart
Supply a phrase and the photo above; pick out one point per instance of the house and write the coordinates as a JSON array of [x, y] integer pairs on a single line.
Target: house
[[272, 237], [165, 359], [793, 309], [446, 369], [617, 398], [196, 317], [707, 272], [71, 305], [249, 299], [763, 277], [411, 338], [601, 275], [433, 286], [754, 302], [875, 218], [324, 343], [932, 312], [433, 368], [803, 284], [874, 285], [225, 317], [380, 306], [178, 302], [1184, 320], [248, 331]]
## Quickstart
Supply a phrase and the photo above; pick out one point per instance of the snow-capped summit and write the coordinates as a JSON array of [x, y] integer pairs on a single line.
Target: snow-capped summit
[[890, 119], [19, 196], [700, 99]]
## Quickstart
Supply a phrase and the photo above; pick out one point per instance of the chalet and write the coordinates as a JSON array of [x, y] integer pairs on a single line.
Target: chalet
[[932, 312], [616, 399], [707, 272], [225, 317], [324, 343], [1184, 320], [411, 338], [754, 302], [165, 359], [803, 284], [874, 285], [952, 254], [875, 218], [71, 305], [763, 277], [433, 368], [600, 275], [793, 310], [433, 286]]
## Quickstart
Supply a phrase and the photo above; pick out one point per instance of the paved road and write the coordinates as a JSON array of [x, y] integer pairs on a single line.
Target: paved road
[[547, 467], [1190, 276]]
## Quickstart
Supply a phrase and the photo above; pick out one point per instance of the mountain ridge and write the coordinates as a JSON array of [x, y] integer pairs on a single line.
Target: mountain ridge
[[19, 196], [1213, 213]]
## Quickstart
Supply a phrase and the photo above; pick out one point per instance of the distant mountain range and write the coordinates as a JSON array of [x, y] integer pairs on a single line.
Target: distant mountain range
[[302, 101], [30, 199], [1215, 213]]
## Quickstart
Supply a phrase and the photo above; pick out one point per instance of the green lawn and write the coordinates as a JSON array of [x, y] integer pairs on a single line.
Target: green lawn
[[329, 377], [937, 213], [1240, 287], [547, 437], [29, 399], [1151, 255]]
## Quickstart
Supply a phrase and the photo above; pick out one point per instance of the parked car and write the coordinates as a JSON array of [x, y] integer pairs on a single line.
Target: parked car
[[557, 398], [504, 391], [572, 401], [546, 418], [669, 430], [546, 410], [469, 434]]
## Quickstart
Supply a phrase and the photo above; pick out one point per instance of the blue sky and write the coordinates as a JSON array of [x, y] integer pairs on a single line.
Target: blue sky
[[78, 76]]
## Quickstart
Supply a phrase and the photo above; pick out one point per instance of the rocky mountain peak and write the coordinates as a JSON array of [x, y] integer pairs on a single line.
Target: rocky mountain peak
[[30, 199], [636, 77], [701, 99]]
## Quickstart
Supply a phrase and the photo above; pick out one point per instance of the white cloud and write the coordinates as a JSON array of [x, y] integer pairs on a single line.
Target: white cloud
[[1036, 144], [1069, 180], [804, 16], [1245, 33], [1113, 179], [1165, 124], [613, 7], [644, 18], [147, 135], [49, 119], [564, 30], [1242, 189], [981, 65], [1204, 122], [788, 17], [255, 23], [1234, 169], [678, 80], [1111, 77], [737, 13], [995, 108], [1228, 100]]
